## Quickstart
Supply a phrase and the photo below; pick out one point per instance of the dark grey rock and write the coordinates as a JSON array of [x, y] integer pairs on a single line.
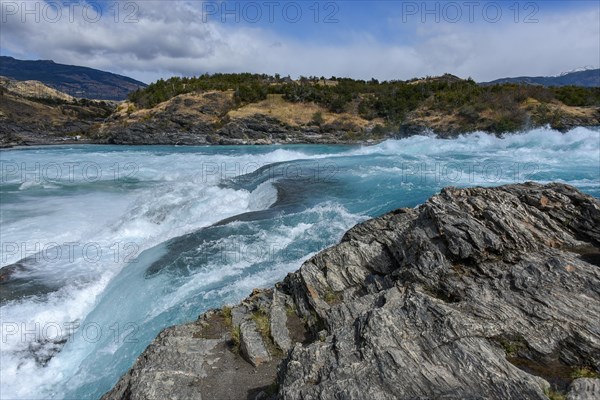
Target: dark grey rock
[[584, 389], [278, 319], [252, 345], [170, 370], [239, 314], [480, 293]]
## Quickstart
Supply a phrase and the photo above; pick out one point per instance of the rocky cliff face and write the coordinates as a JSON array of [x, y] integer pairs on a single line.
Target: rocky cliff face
[[479, 293], [30, 115], [213, 117], [33, 113]]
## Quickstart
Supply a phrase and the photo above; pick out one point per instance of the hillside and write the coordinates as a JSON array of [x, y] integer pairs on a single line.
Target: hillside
[[33, 113], [245, 108], [214, 117], [586, 78], [262, 109], [74, 80]]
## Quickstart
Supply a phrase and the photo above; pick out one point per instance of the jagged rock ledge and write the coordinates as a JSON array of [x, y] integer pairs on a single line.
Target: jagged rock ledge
[[479, 293]]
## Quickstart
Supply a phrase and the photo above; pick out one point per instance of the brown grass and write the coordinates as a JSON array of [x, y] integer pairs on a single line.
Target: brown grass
[[187, 105], [295, 114]]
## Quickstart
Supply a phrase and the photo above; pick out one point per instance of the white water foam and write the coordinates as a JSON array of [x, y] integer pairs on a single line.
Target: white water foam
[[178, 193], [180, 201]]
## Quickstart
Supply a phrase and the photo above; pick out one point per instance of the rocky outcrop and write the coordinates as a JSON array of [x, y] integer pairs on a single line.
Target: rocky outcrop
[[530, 114], [478, 293], [213, 117], [584, 389], [169, 127], [32, 113], [34, 89]]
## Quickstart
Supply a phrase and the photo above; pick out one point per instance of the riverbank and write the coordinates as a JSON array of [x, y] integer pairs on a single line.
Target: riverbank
[[478, 292], [444, 106], [222, 221]]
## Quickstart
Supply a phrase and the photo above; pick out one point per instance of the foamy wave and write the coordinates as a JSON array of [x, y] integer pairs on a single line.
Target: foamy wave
[[176, 193], [579, 141]]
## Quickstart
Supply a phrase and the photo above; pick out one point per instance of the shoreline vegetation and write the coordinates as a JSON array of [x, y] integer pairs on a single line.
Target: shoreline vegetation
[[262, 109]]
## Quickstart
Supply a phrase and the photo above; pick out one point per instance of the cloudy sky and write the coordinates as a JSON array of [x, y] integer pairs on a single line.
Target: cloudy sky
[[390, 39]]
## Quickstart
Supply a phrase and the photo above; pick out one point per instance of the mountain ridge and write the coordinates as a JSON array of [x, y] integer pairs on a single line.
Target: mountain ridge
[[77, 81], [581, 77]]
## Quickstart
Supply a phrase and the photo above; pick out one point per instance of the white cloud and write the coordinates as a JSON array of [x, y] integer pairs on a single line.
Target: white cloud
[[171, 39]]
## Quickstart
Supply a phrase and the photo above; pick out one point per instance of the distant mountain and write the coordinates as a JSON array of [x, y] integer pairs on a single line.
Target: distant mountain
[[71, 79], [585, 78]]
